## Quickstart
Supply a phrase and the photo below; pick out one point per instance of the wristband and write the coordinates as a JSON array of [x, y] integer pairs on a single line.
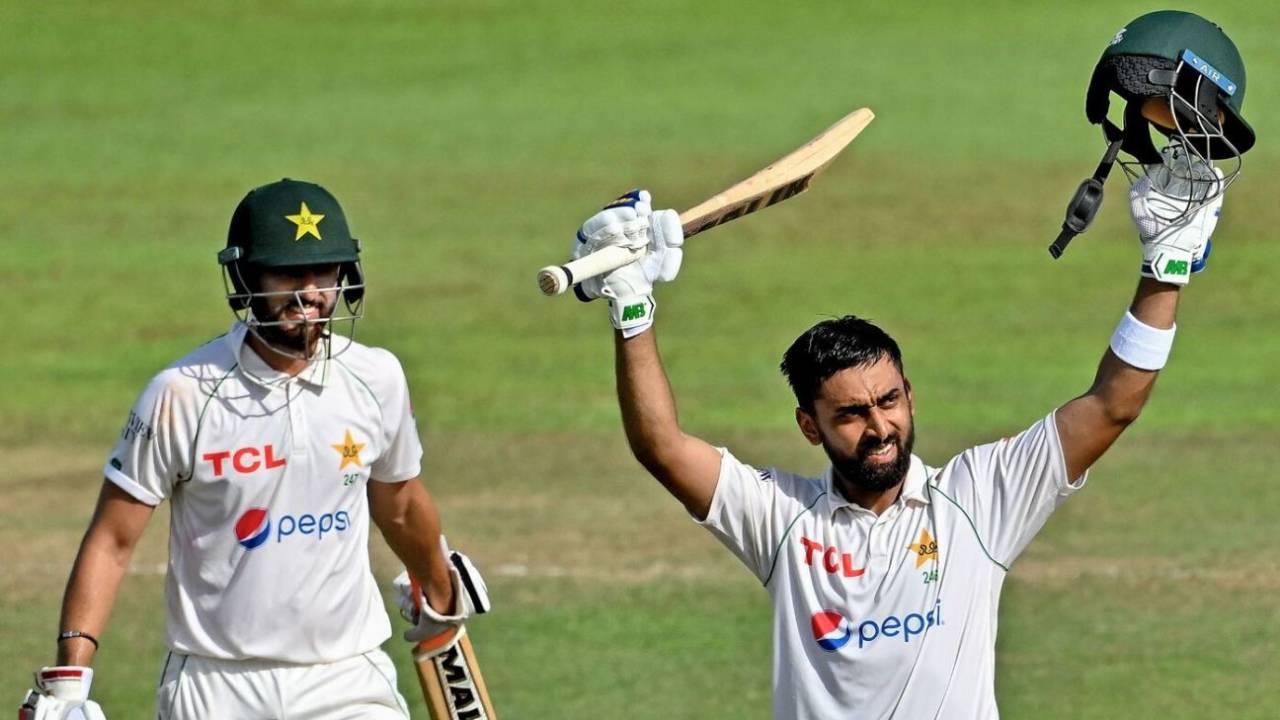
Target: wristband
[[1141, 345], [68, 634]]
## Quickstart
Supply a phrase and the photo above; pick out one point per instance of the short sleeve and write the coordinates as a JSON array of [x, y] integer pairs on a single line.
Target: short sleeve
[[740, 513], [1016, 484], [151, 452], [402, 458]]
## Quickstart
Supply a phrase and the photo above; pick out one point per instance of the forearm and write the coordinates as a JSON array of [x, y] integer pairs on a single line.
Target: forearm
[[91, 591], [1121, 388], [410, 523], [103, 559], [685, 465], [1091, 423], [1155, 303], [645, 398]]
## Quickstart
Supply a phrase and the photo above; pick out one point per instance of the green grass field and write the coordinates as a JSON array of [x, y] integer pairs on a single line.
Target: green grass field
[[468, 139]]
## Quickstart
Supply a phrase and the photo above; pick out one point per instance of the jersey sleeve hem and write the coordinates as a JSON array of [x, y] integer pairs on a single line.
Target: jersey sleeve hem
[[1066, 485], [131, 486], [397, 477], [717, 496]]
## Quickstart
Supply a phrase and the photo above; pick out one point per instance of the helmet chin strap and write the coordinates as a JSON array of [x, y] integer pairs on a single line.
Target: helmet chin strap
[[1085, 204]]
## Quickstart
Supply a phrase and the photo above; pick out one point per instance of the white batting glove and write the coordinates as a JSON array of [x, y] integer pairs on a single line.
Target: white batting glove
[[470, 597], [1174, 246], [61, 693], [631, 222]]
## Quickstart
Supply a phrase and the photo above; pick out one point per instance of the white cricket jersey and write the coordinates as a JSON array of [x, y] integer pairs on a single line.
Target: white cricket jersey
[[266, 475], [890, 616]]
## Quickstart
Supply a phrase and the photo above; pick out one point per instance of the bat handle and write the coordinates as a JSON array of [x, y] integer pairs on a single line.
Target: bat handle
[[555, 279]]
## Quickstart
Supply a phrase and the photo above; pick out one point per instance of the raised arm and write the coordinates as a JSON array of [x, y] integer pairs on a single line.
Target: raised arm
[[1175, 233], [1089, 424], [686, 466]]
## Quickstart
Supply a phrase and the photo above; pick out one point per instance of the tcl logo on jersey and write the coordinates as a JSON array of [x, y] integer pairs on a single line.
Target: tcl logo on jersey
[[832, 631], [254, 526], [244, 460], [832, 560]]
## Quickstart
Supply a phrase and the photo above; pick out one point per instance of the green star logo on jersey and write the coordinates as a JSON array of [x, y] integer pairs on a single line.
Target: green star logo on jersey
[[308, 222], [349, 449]]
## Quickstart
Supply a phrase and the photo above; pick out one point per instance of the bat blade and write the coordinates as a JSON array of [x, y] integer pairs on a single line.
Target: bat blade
[[782, 180], [449, 673], [451, 680]]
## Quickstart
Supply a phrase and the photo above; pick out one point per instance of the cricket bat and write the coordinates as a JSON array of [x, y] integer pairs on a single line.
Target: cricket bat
[[449, 674], [782, 180]]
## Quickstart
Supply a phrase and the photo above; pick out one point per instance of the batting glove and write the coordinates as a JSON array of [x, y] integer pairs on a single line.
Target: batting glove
[[470, 597], [630, 222], [1175, 242], [61, 693]]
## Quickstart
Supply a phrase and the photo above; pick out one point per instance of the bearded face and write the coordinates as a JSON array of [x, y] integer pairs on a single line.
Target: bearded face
[[863, 418], [876, 465], [294, 306]]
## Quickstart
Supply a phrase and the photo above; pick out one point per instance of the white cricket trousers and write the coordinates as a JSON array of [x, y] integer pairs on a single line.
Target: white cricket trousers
[[200, 688]]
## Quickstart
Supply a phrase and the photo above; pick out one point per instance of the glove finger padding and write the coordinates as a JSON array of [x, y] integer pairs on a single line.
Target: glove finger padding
[[469, 586], [1176, 242], [1147, 221], [631, 222], [470, 597], [668, 238], [624, 223]]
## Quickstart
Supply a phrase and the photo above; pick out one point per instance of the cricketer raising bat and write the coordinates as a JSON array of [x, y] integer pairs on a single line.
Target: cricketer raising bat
[[449, 674], [782, 180]]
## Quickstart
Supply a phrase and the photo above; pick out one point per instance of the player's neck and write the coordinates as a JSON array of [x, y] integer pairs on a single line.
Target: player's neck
[[877, 501], [276, 359]]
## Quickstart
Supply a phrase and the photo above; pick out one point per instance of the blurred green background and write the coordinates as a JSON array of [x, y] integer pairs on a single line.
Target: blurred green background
[[467, 140]]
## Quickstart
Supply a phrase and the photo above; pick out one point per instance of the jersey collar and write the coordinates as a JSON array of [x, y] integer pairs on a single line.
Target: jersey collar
[[257, 371], [913, 488]]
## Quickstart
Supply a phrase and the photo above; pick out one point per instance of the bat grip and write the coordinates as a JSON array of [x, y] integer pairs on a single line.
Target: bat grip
[[555, 279]]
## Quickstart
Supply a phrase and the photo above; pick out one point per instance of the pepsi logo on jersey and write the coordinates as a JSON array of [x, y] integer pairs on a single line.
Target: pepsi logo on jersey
[[244, 460], [253, 528], [832, 631]]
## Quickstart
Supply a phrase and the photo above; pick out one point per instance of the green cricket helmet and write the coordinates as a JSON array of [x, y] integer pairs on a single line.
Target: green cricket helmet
[[1183, 72], [1186, 61], [287, 224]]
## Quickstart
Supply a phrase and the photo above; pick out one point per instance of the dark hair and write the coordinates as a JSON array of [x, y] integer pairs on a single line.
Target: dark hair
[[831, 346]]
